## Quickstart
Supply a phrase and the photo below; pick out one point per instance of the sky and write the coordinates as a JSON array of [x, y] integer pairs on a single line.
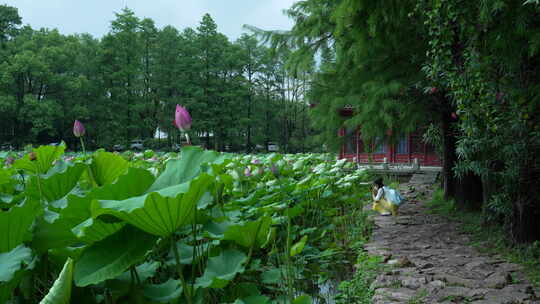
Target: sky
[[94, 16]]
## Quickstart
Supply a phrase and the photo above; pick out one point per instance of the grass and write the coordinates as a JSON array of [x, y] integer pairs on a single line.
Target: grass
[[358, 289], [490, 238]]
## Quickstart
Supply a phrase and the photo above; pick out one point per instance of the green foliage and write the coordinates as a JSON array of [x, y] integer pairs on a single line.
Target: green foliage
[[358, 289], [222, 269], [112, 256], [197, 228], [125, 86], [16, 223], [60, 292]]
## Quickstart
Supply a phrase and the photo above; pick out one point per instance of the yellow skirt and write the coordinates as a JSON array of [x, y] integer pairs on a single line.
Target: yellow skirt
[[385, 207]]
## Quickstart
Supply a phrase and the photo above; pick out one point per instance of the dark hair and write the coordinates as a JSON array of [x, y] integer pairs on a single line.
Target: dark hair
[[379, 182]]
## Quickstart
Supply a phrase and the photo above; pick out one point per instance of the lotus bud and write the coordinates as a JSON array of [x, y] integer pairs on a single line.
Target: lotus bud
[[182, 119], [32, 156], [454, 115], [247, 172], [255, 161], [433, 90], [78, 129]]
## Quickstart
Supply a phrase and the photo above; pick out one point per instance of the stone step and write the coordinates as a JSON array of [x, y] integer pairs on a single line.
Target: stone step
[[424, 178]]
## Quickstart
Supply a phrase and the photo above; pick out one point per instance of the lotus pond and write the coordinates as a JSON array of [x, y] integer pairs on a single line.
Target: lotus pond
[[193, 227]]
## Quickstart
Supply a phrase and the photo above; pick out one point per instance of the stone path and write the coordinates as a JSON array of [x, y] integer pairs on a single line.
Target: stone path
[[432, 262]]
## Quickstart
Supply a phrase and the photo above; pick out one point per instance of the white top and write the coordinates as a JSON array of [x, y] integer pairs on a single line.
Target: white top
[[380, 194]]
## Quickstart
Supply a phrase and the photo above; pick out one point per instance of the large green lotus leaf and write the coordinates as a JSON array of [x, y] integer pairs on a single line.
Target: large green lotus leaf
[[133, 183], [163, 293], [14, 261], [215, 229], [58, 181], [186, 168], [160, 213], [251, 233], [112, 256], [5, 177], [94, 230], [60, 292], [57, 229], [222, 269], [44, 159], [50, 232], [107, 167], [15, 224]]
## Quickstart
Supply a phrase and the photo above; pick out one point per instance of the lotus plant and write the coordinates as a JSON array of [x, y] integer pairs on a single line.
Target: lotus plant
[[79, 131], [182, 120]]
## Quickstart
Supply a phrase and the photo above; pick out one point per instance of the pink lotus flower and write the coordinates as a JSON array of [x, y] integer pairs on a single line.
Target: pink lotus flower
[[182, 119], [255, 161], [274, 169], [10, 160], [78, 129], [247, 172], [433, 90]]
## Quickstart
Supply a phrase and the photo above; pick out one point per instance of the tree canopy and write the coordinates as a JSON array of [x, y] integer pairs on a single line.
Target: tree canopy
[[467, 69], [125, 86]]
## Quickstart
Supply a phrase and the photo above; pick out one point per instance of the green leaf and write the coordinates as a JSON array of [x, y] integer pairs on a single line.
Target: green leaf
[[74, 211], [94, 230], [186, 253], [250, 233], [253, 300], [160, 213], [272, 276], [15, 224], [144, 271], [45, 156], [58, 181], [14, 261], [298, 247], [163, 293], [303, 299], [186, 168], [107, 167], [60, 292], [222, 269], [112, 256], [50, 232]]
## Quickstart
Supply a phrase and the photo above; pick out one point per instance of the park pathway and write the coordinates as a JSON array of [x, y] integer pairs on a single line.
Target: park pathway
[[433, 263]]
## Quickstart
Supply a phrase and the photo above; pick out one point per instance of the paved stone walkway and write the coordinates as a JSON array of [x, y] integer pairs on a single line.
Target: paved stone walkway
[[432, 262]]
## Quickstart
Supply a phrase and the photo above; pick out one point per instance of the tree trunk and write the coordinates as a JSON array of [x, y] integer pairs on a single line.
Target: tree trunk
[[469, 192], [525, 226], [449, 157]]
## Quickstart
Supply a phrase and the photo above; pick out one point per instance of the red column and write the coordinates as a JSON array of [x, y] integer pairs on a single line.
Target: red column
[[358, 145]]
